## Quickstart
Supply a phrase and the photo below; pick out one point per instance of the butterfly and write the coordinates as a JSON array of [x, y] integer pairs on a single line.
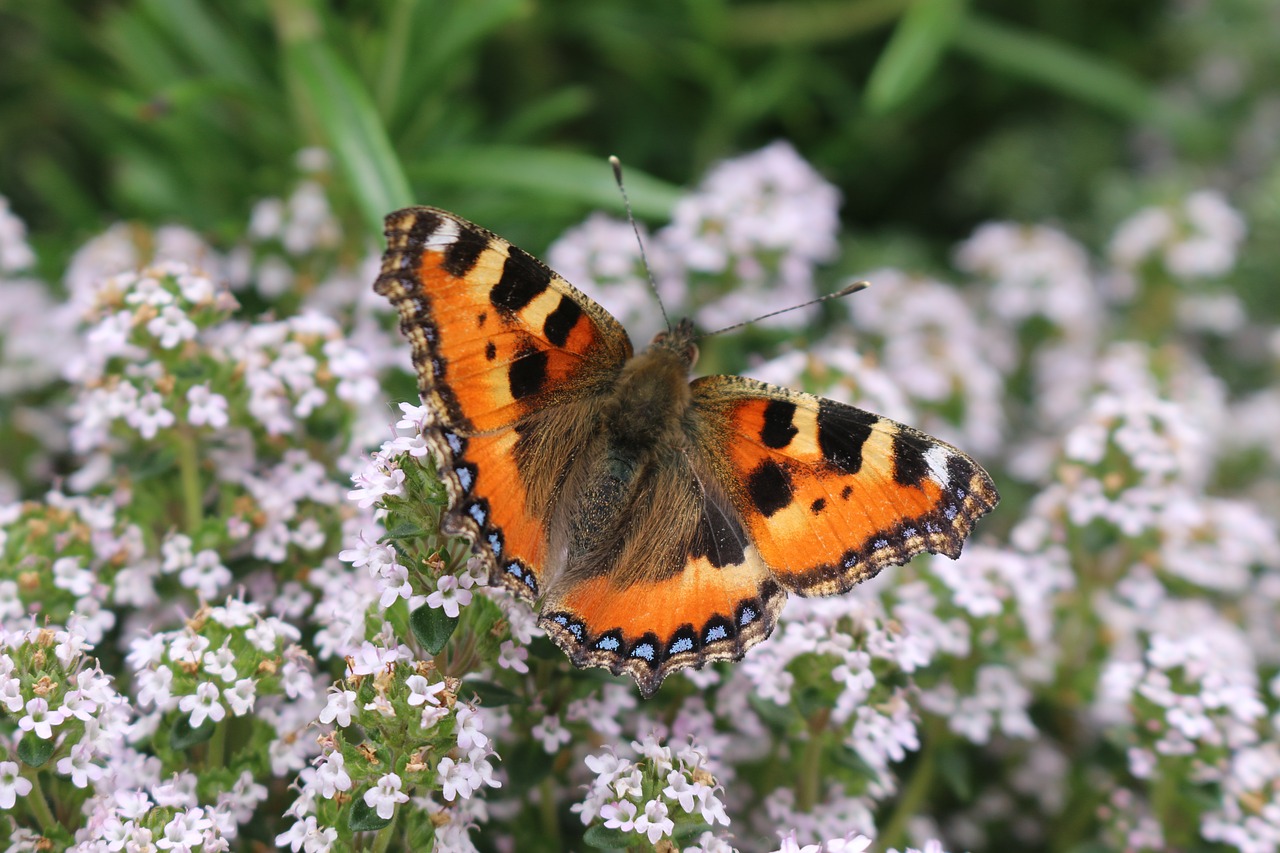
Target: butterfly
[[658, 522]]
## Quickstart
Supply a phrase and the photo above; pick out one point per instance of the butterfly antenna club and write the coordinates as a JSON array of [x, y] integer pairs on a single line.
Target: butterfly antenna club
[[617, 176], [844, 291]]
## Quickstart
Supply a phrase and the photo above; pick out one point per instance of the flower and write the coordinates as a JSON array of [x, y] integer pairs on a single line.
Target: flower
[[452, 593], [12, 785], [385, 795]]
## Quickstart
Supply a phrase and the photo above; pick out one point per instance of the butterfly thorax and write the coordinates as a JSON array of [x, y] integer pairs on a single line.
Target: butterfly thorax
[[649, 401]]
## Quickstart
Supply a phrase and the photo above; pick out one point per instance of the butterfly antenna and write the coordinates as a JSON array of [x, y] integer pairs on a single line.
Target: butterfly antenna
[[844, 291], [617, 176]]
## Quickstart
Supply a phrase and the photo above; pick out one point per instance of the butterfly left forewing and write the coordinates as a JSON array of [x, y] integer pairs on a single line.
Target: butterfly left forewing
[[831, 494], [509, 359]]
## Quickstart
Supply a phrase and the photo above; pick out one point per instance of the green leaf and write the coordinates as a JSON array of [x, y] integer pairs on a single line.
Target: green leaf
[[339, 106], [362, 817], [919, 41], [1072, 72], [34, 751], [685, 831], [405, 530], [587, 179], [608, 839], [953, 767], [432, 627], [183, 736], [492, 695]]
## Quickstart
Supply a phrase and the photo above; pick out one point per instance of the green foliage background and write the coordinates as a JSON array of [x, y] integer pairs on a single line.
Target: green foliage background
[[931, 115]]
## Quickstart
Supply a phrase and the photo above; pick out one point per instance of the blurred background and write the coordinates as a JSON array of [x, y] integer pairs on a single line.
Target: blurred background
[[930, 116]]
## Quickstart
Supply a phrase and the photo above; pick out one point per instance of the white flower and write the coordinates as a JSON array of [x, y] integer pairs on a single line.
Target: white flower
[[513, 657], [384, 796], [468, 728], [205, 408], [339, 707], [452, 593], [457, 779], [242, 696], [331, 775], [12, 785], [422, 691], [172, 327], [150, 416], [39, 720], [620, 815], [203, 704], [654, 822], [552, 734]]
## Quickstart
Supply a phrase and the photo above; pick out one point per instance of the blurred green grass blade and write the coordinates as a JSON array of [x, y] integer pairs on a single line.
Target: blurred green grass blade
[[918, 42], [541, 172], [350, 127], [199, 35], [1057, 66], [808, 22], [429, 44]]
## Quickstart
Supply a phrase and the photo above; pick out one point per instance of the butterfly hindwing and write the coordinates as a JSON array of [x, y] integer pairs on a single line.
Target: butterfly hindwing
[[678, 584], [831, 494], [504, 350]]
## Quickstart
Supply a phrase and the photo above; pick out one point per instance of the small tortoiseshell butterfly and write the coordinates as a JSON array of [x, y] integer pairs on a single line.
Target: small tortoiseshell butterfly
[[660, 521]]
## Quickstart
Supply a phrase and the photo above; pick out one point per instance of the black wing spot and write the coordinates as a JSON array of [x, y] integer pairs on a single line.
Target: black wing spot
[[909, 465], [490, 351], [480, 318], [560, 322], [527, 373], [778, 429], [818, 506], [842, 430], [769, 486], [719, 538], [522, 280], [462, 253], [845, 492]]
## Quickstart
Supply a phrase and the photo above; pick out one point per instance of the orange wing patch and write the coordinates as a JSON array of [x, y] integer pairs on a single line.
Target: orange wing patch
[[831, 494], [487, 504], [650, 629]]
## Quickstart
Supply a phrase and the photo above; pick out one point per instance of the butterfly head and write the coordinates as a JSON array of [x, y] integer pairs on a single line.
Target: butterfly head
[[679, 341]]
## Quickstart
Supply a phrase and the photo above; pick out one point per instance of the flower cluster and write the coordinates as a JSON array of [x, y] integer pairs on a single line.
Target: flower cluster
[[399, 733], [662, 793]]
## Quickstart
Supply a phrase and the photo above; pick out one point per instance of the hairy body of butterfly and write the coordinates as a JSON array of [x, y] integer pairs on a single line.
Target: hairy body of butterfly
[[659, 522]]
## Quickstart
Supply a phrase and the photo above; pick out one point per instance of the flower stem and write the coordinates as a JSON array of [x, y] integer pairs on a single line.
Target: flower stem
[[36, 801], [189, 470], [216, 755], [550, 819], [811, 763]]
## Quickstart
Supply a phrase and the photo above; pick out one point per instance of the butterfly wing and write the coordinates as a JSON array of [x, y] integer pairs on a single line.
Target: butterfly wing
[[831, 494], [669, 578], [509, 357]]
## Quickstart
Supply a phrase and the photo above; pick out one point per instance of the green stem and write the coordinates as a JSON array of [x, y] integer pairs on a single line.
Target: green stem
[[811, 763], [894, 833], [550, 819], [36, 801], [189, 471], [216, 754]]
